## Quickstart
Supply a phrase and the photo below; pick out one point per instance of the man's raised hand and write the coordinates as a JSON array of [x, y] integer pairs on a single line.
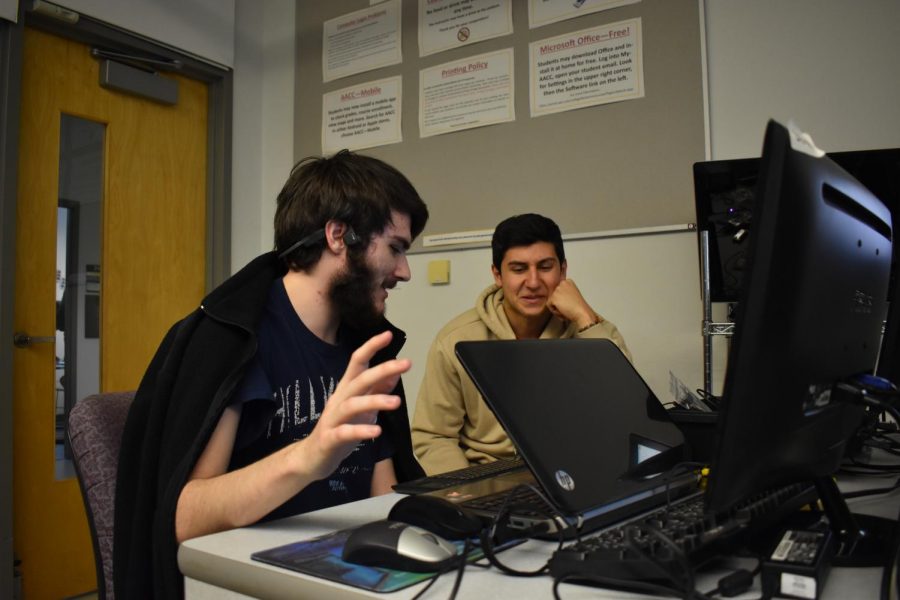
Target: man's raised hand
[[350, 413]]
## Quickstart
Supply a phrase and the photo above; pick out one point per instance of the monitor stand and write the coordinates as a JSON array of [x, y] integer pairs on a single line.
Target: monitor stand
[[862, 540]]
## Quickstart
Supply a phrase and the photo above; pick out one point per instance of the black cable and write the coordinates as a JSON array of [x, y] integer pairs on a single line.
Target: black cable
[[869, 400], [673, 472], [459, 565], [883, 448], [849, 471], [427, 587], [857, 463], [886, 441], [888, 446], [892, 567], [462, 567], [488, 547], [498, 525], [718, 589], [888, 430], [897, 573], [557, 516], [853, 461], [711, 399], [537, 491], [685, 584], [871, 492]]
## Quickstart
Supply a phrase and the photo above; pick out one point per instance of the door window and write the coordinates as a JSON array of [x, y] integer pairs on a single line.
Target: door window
[[78, 273]]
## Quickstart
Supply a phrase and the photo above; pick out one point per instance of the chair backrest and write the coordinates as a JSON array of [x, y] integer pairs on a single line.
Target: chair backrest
[[95, 434]]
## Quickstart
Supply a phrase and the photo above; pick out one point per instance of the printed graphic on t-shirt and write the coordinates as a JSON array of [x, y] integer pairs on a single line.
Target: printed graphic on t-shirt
[[296, 416], [290, 411]]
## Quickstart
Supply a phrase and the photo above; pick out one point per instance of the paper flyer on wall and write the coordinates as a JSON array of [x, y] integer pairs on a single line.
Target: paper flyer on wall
[[361, 41], [473, 92], [585, 68], [446, 24], [544, 12], [362, 116]]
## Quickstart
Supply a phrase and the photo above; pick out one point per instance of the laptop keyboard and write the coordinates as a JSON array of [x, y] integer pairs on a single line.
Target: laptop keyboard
[[522, 497], [635, 550], [464, 475]]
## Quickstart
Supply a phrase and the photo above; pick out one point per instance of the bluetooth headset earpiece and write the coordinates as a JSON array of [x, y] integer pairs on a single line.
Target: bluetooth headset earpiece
[[350, 238]]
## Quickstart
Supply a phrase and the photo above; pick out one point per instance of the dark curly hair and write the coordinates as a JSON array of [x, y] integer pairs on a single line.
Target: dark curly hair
[[358, 190]]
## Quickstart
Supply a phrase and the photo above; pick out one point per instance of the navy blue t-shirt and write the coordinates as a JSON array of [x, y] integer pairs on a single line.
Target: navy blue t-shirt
[[283, 394]]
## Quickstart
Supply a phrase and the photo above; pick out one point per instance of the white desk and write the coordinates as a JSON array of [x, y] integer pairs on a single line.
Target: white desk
[[219, 565]]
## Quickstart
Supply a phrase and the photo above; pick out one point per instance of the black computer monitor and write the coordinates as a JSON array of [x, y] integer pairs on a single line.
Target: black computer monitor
[[812, 303], [724, 195], [889, 358], [724, 192]]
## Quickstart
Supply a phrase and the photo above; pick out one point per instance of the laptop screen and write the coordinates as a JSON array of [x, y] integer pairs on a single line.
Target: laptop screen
[[578, 412]]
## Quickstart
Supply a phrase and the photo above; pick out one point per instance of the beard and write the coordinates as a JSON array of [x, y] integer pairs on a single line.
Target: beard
[[351, 294]]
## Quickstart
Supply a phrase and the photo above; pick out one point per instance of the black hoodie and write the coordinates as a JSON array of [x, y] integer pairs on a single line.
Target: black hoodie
[[181, 397]]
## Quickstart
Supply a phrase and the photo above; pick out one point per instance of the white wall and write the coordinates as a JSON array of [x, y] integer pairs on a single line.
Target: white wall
[[832, 65], [9, 10], [263, 121]]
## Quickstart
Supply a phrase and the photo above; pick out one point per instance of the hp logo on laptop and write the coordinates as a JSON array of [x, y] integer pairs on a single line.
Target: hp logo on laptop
[[565, 480]]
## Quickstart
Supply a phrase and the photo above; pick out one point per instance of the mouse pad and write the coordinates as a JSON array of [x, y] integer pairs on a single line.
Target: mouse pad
[[321, 557]]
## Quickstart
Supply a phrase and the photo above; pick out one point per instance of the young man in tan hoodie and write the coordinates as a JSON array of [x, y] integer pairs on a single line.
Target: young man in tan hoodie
[[531, 298]]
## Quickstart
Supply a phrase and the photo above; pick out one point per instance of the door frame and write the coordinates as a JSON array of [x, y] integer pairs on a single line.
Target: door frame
[[218, 206]]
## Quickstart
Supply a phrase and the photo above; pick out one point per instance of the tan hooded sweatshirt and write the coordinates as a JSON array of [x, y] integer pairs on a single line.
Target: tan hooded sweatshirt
[[452, 426]]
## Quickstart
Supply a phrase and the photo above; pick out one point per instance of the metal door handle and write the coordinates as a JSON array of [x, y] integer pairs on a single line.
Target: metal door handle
[[23, 340]]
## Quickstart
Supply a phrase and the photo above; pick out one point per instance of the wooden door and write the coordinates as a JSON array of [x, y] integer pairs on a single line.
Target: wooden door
[[152, 248]]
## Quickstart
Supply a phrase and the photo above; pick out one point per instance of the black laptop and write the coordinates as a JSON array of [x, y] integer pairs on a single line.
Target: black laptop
[[585, 423]]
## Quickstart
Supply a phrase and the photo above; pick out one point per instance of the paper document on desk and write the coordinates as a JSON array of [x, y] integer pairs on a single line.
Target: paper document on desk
[[683, 395]]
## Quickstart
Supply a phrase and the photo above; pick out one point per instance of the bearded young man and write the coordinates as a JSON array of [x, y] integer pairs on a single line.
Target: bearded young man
[[262, 403], [531, 298]]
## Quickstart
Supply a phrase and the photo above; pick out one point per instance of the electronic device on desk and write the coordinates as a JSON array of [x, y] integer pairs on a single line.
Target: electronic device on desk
[[889, 357], [437, 515], [616, 437], [441, 481], [813, 299], [394, 545], [812, 308], [724, 195]]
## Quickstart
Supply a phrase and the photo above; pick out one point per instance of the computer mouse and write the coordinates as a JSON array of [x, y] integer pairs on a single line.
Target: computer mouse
[[401, 546], [437, 515]]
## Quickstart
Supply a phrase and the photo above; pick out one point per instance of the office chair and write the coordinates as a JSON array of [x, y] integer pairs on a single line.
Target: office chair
[[95, 434]]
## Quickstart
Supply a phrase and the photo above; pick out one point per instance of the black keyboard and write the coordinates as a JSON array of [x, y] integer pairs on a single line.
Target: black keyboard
[[451, 478], [634, 550], [522, 497]]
